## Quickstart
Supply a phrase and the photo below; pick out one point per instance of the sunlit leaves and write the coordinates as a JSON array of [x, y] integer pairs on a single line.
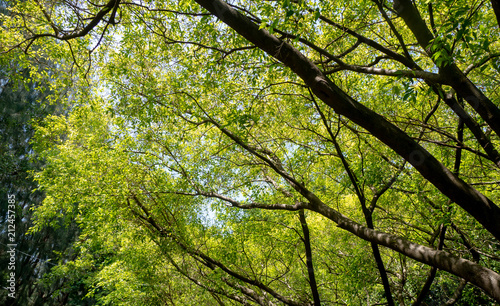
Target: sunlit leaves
[[179, 118]]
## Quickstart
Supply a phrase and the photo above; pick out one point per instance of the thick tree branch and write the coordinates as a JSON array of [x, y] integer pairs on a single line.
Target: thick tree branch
[[480, 276], [431, 80], [496, 8], [448, 69], [479, 206]]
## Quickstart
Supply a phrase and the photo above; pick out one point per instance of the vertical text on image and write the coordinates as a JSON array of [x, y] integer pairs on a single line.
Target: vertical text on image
[[11, 233]]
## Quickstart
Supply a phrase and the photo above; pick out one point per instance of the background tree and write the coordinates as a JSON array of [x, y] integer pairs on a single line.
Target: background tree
[[24, 102], [36, 253]]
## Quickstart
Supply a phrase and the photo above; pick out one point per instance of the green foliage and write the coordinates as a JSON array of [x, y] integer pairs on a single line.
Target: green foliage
[[181, 128], [23, 105]]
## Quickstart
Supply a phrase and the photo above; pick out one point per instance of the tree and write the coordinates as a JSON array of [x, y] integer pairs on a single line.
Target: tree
[[289, 106], [23, 104]]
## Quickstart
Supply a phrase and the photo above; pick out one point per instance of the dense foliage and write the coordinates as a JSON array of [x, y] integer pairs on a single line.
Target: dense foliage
[[271, 152], [22, 106]]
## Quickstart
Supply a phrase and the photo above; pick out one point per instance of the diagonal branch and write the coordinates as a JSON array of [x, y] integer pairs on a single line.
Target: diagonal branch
[[481, 276], [448, 69], [475, 203]]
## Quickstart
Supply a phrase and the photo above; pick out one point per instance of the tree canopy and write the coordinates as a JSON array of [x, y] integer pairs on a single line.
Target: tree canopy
[[22, 105], [271, 152]]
